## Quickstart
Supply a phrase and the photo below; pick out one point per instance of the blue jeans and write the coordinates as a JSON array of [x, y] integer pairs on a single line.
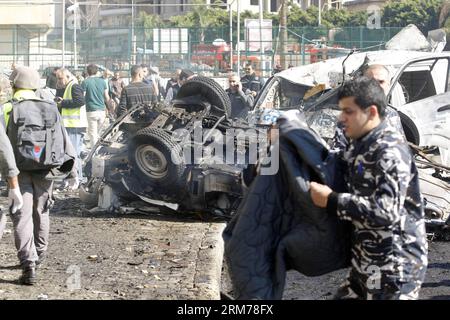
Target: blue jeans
[[76, 138]]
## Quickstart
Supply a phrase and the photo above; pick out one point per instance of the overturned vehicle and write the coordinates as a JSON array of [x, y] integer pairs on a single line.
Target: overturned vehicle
[[188, 155], [419, 91]]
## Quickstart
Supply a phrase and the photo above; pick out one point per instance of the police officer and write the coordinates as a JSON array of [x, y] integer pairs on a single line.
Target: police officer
[[241, 100], [383, 202], [73, 112], [251, 81], [31, 222]]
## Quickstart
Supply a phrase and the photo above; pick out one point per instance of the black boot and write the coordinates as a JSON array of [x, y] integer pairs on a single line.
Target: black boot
[[28, 276]]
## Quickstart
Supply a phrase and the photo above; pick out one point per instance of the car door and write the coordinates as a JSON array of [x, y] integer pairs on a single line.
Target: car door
[[420, 92]]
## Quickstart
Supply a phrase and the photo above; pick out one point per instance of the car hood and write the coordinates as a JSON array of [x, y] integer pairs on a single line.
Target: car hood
[[330, 72]]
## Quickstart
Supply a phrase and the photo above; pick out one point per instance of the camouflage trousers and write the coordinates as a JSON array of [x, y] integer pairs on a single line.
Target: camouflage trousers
[[355, 288]]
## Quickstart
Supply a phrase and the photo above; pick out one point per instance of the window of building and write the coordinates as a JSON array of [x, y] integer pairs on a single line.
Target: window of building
[[273, 6], [254, 2]]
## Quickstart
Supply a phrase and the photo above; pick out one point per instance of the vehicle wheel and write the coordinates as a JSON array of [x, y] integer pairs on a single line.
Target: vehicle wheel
[[157, 159], [211, 91], [410, 129]]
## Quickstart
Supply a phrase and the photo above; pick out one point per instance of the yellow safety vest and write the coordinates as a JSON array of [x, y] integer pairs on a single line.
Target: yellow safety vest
[[73, 117]]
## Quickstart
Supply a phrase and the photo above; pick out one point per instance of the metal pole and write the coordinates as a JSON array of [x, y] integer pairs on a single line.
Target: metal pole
[[231, 36], [283, 35], [132, 34], [260, 37], [320, 13], [63, 32], [75, 58], [238, 38]]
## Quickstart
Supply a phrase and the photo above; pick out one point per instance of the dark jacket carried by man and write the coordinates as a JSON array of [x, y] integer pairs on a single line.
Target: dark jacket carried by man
[[277, 226]]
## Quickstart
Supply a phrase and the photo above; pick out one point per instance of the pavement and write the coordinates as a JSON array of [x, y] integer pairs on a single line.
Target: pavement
[[139, 255]]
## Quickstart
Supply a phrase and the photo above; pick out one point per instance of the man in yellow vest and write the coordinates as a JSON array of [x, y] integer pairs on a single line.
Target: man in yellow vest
[[73, 112]]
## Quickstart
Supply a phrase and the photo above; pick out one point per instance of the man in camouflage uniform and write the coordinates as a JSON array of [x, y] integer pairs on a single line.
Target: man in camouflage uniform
[[383, 201]]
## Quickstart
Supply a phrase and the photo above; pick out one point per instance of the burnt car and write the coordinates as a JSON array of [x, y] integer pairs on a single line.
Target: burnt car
[[420, 92], [188, 155]]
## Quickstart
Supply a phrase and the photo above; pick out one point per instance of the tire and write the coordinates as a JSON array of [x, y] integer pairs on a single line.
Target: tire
[[411, 133], [157, 160], [211, 91]]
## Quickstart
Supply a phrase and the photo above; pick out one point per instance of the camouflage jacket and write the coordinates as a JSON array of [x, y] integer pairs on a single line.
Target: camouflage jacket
[[340, 142], [384, 205]]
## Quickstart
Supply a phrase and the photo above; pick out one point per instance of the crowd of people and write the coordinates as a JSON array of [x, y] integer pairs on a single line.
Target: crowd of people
[[382, 200]]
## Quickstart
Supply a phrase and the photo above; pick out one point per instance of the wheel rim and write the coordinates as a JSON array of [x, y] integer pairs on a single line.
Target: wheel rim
[[151, 161]]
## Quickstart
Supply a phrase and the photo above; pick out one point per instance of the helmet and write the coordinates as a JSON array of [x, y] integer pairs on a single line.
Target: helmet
[[25, 78]]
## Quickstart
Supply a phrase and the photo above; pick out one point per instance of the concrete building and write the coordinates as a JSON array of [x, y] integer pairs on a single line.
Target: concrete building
[[23, 28], [360, 5], [325, 4]]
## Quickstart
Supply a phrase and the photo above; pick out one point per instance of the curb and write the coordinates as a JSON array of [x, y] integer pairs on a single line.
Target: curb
[[208, 274]]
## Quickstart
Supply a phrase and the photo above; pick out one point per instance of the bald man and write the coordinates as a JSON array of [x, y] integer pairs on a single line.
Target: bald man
[[380, 73]]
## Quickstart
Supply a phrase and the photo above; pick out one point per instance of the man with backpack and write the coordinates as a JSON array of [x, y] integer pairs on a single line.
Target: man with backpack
[[43, 153]]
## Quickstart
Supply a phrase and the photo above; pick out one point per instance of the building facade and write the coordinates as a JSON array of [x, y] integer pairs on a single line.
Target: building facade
[[361, 5], [20, 33]]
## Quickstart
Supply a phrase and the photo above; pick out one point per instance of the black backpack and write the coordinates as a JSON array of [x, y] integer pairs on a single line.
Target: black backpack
[[37, 135]]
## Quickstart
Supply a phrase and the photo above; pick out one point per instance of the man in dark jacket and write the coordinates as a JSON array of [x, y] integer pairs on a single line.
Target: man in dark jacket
[[173, 81], [185, 75], [383, 202], [137, 92], [241, 100], [51, 81], [251, 81]]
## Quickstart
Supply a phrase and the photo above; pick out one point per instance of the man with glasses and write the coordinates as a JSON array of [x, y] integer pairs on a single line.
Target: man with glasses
[[251, 81]]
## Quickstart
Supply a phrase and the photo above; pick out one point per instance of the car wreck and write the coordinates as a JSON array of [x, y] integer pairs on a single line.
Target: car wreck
[[189, 155], [131, 160], [419, 91]]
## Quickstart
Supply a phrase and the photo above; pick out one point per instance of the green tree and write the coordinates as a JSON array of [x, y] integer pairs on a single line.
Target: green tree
[[146, 23], [423, 13], [202, 17]]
